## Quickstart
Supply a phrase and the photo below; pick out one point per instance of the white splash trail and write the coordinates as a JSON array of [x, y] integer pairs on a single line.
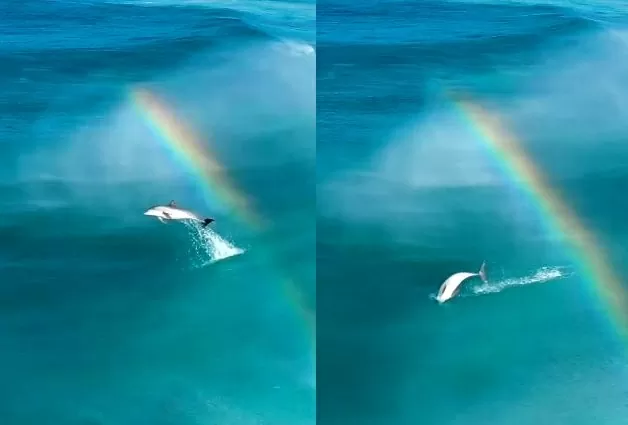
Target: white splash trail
[[542, 275]]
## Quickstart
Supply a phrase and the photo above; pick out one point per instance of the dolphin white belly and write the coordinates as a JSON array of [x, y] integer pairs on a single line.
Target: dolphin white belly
[[451, 286]]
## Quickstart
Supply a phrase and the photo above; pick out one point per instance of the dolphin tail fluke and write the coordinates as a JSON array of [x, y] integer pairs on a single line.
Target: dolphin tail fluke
[[482, 272], [207, 221]]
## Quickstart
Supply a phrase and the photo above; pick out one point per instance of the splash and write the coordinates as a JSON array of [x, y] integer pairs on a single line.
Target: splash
[[208, 246], [542, 275]]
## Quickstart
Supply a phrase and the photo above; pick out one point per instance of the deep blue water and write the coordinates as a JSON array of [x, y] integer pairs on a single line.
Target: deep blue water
[[108, 316], [407, 195]]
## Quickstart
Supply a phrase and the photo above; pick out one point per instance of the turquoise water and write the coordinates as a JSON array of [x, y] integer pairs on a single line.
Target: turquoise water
[[408, 195], [108, 316]]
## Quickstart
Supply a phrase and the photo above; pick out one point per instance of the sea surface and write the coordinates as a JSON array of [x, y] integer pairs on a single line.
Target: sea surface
[[453, 132], [108, 316]]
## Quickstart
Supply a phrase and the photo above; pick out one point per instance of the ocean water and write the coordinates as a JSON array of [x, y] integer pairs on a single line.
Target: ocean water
[[414, 184], [108, 316]]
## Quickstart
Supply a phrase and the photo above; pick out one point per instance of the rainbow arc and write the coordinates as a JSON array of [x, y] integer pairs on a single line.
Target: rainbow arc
[[191, 153], [521, 171]]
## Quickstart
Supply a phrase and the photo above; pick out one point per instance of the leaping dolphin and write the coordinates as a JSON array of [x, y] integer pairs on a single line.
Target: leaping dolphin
[[172, 212], [451, 286]]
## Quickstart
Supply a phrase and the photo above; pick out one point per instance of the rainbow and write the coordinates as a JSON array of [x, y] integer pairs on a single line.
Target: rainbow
[[521, 170], [193, 155], [188, 150]]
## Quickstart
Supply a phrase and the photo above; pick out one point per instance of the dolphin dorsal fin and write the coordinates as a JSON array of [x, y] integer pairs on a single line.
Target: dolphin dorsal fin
[[172, 204], [482, 272]]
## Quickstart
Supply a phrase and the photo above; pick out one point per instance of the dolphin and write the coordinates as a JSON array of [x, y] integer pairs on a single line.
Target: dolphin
[[172, 212], [451, 286]]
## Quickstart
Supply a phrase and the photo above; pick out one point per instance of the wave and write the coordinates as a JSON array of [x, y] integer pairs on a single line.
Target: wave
[[129, 44], [429, 53], [279, 18], [449, 25], [74, 59], [124, 26]]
